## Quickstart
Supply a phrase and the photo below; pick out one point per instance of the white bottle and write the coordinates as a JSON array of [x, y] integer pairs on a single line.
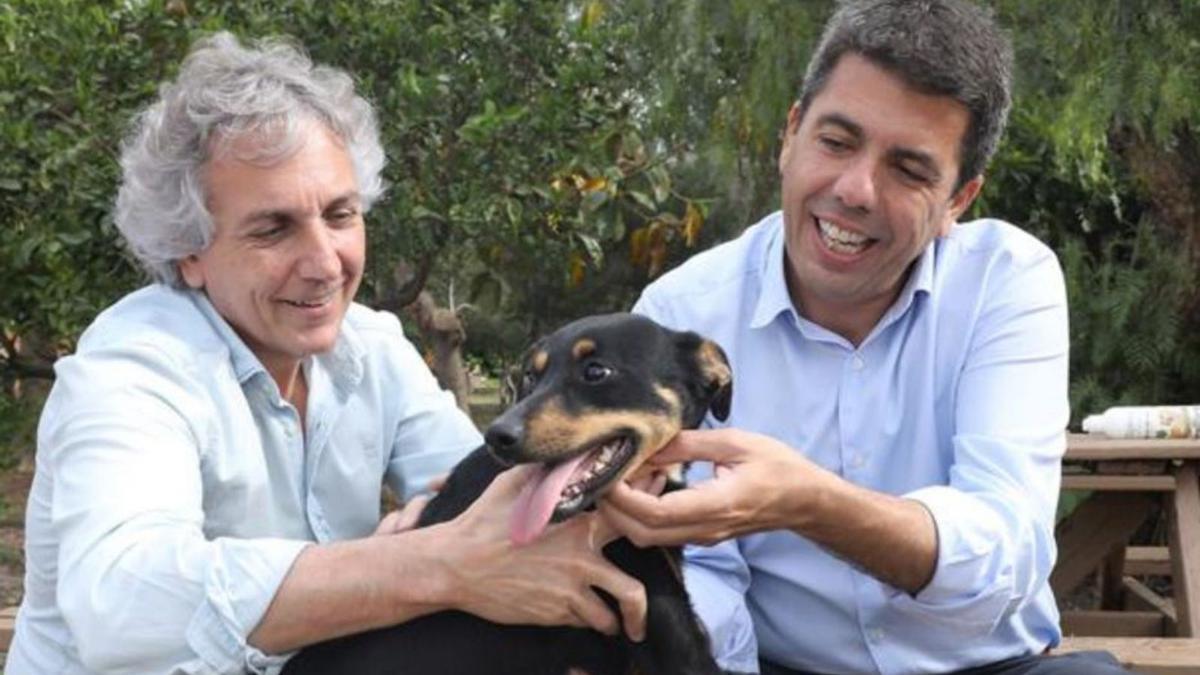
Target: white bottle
[[1176, 421]]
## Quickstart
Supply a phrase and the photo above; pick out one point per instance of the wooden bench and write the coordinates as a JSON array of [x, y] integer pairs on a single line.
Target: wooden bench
[[1158, 656]]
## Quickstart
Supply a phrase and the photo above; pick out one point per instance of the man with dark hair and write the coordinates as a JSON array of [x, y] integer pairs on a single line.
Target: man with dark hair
[[882, 496]]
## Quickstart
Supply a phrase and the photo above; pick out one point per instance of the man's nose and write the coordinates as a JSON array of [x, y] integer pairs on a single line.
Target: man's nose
[[855, 186], [319, 258]]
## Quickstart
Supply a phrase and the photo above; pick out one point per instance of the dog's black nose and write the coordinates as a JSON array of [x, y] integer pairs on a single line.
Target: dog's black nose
[[504, 435]]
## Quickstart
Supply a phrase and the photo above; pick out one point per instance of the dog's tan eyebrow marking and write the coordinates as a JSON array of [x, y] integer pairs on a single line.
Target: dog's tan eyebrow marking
[[540, 359], [583, 348], [669, 397]]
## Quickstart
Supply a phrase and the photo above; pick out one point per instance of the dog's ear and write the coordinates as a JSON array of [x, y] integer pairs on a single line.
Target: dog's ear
[[520, 378], [715, 376], [718, 378]]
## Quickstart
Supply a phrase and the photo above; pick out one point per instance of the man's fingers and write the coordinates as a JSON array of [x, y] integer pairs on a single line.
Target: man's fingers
[[507, 485], [388, 524], [593, 613], [708, 445], [681, 507], [630, 500], [411, 512], [643, 535], [403, 519], [629, 593]]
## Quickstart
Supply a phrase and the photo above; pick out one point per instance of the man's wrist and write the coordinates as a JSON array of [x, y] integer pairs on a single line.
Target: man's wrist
[[425, 582]]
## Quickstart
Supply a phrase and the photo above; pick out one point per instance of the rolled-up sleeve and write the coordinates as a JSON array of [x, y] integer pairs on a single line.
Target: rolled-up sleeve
[[139, 585], [995, 519]]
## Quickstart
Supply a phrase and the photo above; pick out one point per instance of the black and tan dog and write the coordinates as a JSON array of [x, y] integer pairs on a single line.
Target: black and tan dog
[[598, 397]]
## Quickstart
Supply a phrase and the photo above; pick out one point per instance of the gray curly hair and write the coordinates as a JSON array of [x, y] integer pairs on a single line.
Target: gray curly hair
[[943, 47], [223, 92]]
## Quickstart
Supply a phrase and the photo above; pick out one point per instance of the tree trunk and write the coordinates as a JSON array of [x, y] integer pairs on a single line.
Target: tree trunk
[[443, 332]]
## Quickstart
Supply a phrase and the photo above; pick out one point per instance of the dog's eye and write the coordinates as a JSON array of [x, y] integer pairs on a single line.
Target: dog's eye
[[596, 372]]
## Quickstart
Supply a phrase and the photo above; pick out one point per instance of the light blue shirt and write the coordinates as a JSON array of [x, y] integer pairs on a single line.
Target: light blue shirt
[[957, 398], [174, 488]]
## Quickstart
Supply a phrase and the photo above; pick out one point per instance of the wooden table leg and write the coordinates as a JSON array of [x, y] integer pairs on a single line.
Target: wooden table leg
[[1112, 579], [1101, 523], [1185, 549]]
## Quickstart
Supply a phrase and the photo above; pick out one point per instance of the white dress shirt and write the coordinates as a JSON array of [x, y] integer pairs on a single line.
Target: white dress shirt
[[957, 398], [175, 488]]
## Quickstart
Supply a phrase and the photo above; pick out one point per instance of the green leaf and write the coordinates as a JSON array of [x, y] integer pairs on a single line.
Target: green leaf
[[593, 248], [644, 200]]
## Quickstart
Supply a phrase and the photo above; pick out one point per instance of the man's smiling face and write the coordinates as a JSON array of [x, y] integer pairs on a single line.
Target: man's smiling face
[[288, 247], [867, 181]]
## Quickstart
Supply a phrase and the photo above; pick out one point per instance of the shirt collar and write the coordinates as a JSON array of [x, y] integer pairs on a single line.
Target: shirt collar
[[919, 281], [774, 299], [343, 362]]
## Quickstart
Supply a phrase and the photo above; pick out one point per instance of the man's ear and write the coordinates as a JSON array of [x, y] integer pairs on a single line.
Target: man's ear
[[789, 133], [191, 269], [959, 203]]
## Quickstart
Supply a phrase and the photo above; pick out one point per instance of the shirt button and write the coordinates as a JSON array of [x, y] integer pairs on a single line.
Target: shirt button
[[857, 461], [875, 635], [857, 362]]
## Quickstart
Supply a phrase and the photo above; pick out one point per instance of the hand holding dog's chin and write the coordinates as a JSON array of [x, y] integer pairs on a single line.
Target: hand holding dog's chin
[[546, 582], [758, 484]]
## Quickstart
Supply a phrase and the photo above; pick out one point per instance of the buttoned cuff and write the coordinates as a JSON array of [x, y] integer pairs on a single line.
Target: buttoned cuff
[[972, 585], [721, 606], [239, 586]]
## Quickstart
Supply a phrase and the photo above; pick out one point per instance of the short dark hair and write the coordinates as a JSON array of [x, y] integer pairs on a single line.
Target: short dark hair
[[942, 47]]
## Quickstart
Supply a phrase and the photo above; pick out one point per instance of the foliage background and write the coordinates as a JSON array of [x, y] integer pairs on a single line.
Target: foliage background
[[547, 158]]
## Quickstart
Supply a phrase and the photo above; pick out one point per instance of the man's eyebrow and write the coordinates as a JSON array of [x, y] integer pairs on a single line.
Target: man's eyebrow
[[266, 214], [926, 160], [839, 120], [274, 214], [344, 199]]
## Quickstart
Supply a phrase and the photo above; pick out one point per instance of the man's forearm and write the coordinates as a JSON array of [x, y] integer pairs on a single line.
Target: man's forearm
[[353, 586], [891, 538]]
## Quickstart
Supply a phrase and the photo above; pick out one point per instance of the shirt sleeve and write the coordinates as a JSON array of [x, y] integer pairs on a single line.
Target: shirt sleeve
[[139, 585], [432, 434], [717, 579], [995, 518]]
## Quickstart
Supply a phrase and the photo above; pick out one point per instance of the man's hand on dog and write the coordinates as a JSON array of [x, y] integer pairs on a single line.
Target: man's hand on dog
[[548, 582], [754, 488]]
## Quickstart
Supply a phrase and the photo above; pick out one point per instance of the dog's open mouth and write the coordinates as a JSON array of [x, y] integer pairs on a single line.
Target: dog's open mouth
[[557, 492]]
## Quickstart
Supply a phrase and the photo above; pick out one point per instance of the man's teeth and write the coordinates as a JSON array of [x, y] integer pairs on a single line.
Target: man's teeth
[[319, 302], [839, 240], [602, 462]]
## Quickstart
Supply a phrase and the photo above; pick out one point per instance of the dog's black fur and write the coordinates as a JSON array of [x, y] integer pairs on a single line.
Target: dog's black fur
[[617, 376]]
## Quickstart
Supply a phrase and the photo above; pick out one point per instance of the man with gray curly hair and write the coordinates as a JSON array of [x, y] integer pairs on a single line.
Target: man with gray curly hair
[[211, 459], [883, 492]]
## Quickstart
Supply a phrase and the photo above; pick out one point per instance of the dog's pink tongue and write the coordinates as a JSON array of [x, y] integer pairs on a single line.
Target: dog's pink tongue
[[537, 500]]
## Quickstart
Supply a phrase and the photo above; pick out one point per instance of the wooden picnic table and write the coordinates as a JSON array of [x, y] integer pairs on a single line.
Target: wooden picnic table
[[1130, 480]]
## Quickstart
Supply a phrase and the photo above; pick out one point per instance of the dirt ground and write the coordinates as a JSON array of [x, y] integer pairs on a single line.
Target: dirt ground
[[14, 490]]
